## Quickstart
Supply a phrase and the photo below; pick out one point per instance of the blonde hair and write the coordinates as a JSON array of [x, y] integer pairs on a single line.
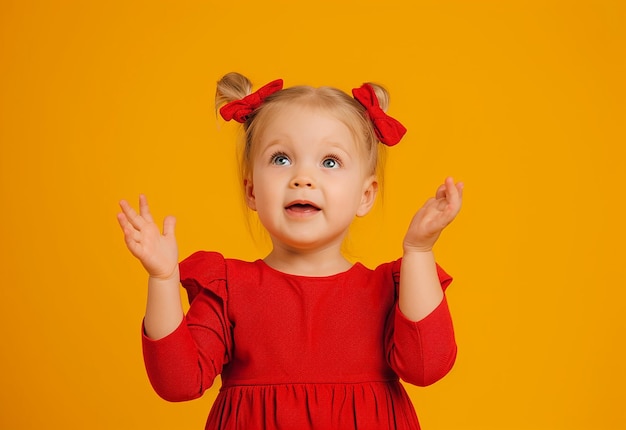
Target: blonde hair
[[234, 86]]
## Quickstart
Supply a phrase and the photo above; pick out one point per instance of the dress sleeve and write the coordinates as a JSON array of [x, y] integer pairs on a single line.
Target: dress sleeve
[[421, 352], [182, 365]]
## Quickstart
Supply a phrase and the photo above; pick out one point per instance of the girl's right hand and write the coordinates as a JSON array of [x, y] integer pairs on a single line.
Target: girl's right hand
[[158, 253]]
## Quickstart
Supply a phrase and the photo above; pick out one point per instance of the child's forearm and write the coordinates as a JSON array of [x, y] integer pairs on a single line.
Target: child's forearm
[[164, 310], [420, 290]]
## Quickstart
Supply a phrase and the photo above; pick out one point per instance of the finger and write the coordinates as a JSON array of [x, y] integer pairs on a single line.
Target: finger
[[460, 186], [454, 198], [133, 246], [131, 215], [448, 200], [452, 192], [131, 235], [144, 209], [122, 221], [441, 192], [169, 223]]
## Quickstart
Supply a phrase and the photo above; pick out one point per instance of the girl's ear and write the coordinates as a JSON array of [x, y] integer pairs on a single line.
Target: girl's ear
[[370, 189], [248, 187]]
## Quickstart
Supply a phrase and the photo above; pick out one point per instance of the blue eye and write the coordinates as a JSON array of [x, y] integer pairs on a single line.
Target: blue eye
[[330, 163], [280, 160]]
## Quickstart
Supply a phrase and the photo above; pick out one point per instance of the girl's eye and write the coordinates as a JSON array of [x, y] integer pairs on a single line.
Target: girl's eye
[[330, 163], [280, 160]]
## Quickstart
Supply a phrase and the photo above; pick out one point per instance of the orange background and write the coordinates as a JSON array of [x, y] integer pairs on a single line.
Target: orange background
[[525, 101]]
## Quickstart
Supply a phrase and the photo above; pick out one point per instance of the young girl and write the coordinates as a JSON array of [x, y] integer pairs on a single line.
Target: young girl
[[302, 339]]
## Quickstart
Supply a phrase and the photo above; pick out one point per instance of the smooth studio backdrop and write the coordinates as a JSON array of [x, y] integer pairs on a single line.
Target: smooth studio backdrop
[[525, 101]]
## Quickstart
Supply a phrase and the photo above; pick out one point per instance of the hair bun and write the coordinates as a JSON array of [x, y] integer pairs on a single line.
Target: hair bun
[[382, 95], [232, 86]]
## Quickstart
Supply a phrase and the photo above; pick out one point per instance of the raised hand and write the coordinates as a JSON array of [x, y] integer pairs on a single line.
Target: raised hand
[[436, 214], [157, 252]]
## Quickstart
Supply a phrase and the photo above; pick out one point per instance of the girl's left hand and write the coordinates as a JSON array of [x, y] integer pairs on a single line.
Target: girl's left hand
[[436, 214]]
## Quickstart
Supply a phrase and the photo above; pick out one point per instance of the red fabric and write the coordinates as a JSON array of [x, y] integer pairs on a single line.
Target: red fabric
[[388, 130], [240, 110], [299, 352]]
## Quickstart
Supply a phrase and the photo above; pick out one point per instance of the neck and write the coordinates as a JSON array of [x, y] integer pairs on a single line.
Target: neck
[[318, 262]]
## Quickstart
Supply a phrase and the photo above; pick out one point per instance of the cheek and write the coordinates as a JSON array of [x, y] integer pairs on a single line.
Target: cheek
[[266, 191], [345, 194], [262, 183]]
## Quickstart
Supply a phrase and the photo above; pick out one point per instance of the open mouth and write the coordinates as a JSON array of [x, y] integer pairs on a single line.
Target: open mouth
[[302, 208]]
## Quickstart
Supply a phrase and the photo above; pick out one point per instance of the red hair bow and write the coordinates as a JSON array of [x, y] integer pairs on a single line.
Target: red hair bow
[[240, 110], [388, 130]]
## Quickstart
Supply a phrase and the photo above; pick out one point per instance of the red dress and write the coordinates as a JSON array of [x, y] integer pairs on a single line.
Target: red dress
[[298, 352]]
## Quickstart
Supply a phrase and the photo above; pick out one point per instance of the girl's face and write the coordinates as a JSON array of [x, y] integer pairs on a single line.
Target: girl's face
[[309, 179]]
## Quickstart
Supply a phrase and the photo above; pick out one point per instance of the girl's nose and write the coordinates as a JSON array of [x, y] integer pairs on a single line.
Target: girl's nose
[[302, 182]]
